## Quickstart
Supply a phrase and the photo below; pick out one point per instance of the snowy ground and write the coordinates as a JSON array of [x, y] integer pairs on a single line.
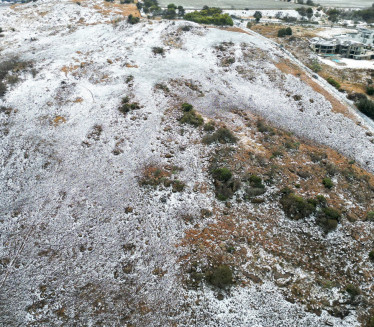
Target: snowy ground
[[64, 224], [331, 32], [345, 63]]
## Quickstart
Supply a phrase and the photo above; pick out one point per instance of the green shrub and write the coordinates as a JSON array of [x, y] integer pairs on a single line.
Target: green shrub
[[366, 106], [209, 127], [334, 83], [284, 31], [370, 216], [186, 28], [249, 25], [315, 66], [192, 118], [158, 50], [296, 207], [256, 181], [352, 290], [162, 87], [370, 90], [3, 89], [133, 20], [187, 107], [177, 186], [226, 190], [126, 106], [257, 15], [370, 322], [327, 182], [220, 277], [321, 200], [371, 255], [328, 218], [222, 135], [222, 174]]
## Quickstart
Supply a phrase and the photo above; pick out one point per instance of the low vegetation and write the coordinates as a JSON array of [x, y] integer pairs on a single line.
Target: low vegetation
[[224, 183], [127, 106], [154, 176], [366, 106], [9, 71], [328, 218], [190, 116], [133, 20], [284, 32], [333, 82], [222, 135], [327, 182], [352, 290], [158, 50], [295, 206], [220, 276], [209, 15]]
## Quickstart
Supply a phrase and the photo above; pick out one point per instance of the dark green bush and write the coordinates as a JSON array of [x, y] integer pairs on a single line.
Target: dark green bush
[[370, 90], [370, 322], [222, 135], [284, 31], [220, 277], [3, 89], [328, 218], [366, 106], [321, 200], [256, 181], [370, 216], [192, 118], [222, 174], [352, 290], [327, 182], [226, 190], [133, 20], [186, 28], [334, 83], [371, 255], [158, 50], [126, 106], [187, 107], [296, 207]]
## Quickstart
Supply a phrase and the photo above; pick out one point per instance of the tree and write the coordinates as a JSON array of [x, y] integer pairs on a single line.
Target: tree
[[257, 16], [181, 11], [169, 13], [301, 11], [288, 31], [309, 13], [282, 32]]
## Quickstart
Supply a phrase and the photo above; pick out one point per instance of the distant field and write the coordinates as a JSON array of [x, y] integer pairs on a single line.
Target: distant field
[[265, 4]]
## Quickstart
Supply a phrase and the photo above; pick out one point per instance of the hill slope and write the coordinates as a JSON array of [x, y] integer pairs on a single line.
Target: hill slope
[[118, 217]]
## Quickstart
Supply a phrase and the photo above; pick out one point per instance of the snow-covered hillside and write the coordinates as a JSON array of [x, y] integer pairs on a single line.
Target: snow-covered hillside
[[83, 243]]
